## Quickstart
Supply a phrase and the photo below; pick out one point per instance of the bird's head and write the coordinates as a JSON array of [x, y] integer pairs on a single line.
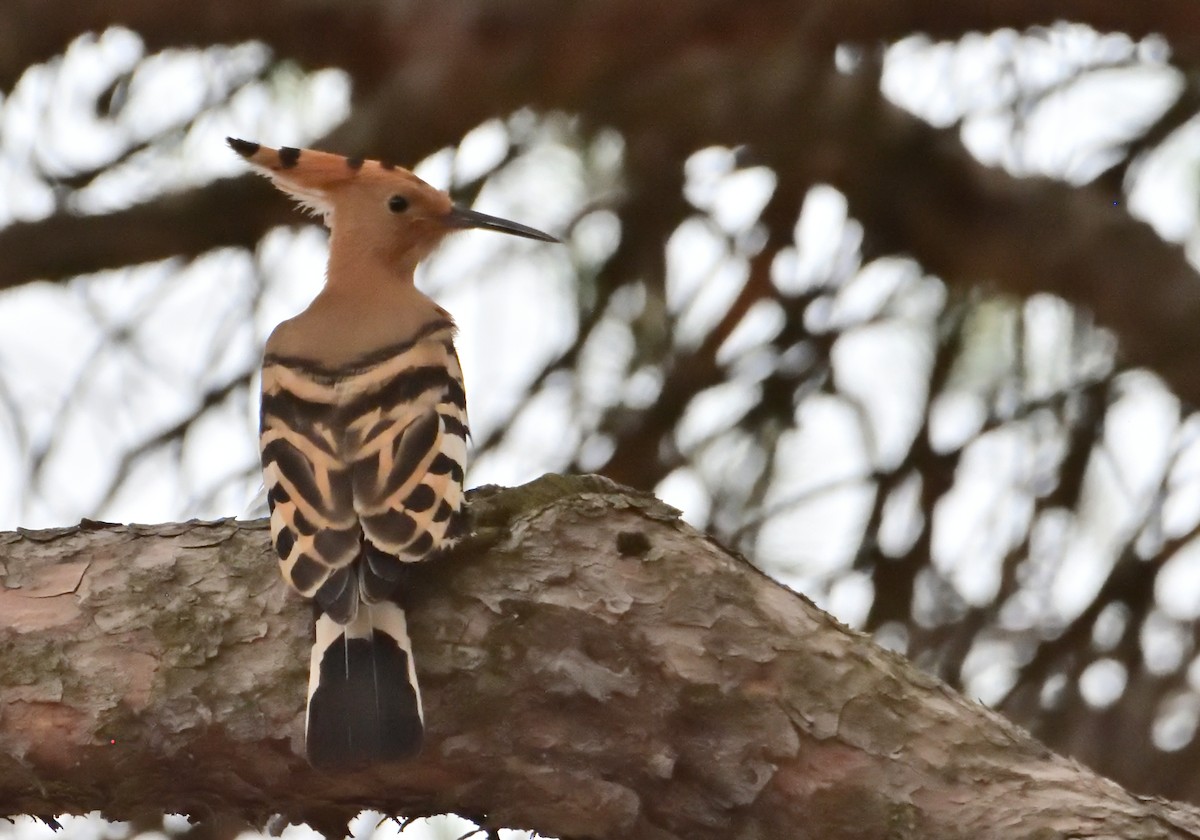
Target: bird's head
[[376, 209]]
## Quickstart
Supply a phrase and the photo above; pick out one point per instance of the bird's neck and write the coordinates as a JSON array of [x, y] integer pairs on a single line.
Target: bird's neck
[[367, 271], [359, 255], [377, 301], [364, 308]]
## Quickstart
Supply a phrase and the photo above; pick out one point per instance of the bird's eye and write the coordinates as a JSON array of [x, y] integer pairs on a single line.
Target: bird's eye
[[397, 204]]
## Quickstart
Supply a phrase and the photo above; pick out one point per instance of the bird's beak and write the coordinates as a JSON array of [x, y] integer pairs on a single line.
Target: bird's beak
[[461, 217]]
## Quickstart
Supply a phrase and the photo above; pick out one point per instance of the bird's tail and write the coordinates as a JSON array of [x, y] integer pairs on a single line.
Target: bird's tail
[[364, 706]]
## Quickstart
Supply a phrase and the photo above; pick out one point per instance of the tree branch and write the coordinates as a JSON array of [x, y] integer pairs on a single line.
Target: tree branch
[[316, 33], [591, 667], [179, 225], [688, 76]]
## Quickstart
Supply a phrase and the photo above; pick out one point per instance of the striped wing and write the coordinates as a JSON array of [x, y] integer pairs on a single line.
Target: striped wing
[[363, 467]]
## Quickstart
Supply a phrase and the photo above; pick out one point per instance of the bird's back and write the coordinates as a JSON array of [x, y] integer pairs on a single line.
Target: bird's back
[[366, 452]]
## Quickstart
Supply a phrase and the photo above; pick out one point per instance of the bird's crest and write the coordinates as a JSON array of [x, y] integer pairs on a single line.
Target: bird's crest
[[318, 180], [311, 177]]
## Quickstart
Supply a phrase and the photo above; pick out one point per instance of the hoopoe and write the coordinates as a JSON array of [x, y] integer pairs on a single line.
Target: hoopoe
[[363, 436]]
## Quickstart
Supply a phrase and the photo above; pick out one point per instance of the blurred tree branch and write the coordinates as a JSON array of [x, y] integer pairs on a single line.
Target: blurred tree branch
[[315, 32], [687, 76], [592, 668]]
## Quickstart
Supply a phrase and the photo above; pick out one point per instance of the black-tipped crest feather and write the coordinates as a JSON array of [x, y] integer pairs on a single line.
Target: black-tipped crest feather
[[243, 147]]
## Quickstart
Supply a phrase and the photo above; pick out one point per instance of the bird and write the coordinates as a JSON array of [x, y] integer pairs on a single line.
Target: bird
[[363, 437]]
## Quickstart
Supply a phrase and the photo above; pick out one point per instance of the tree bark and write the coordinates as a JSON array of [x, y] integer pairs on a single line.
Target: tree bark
[[591, 667]]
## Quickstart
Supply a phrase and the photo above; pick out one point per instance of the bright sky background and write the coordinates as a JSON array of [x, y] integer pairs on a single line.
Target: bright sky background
[[519, 296]]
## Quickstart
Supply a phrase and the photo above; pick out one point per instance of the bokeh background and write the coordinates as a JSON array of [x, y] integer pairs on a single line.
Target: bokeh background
[[901, 303]]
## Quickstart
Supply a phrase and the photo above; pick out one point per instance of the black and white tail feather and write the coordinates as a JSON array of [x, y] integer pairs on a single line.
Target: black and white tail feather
[[364, 704]]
